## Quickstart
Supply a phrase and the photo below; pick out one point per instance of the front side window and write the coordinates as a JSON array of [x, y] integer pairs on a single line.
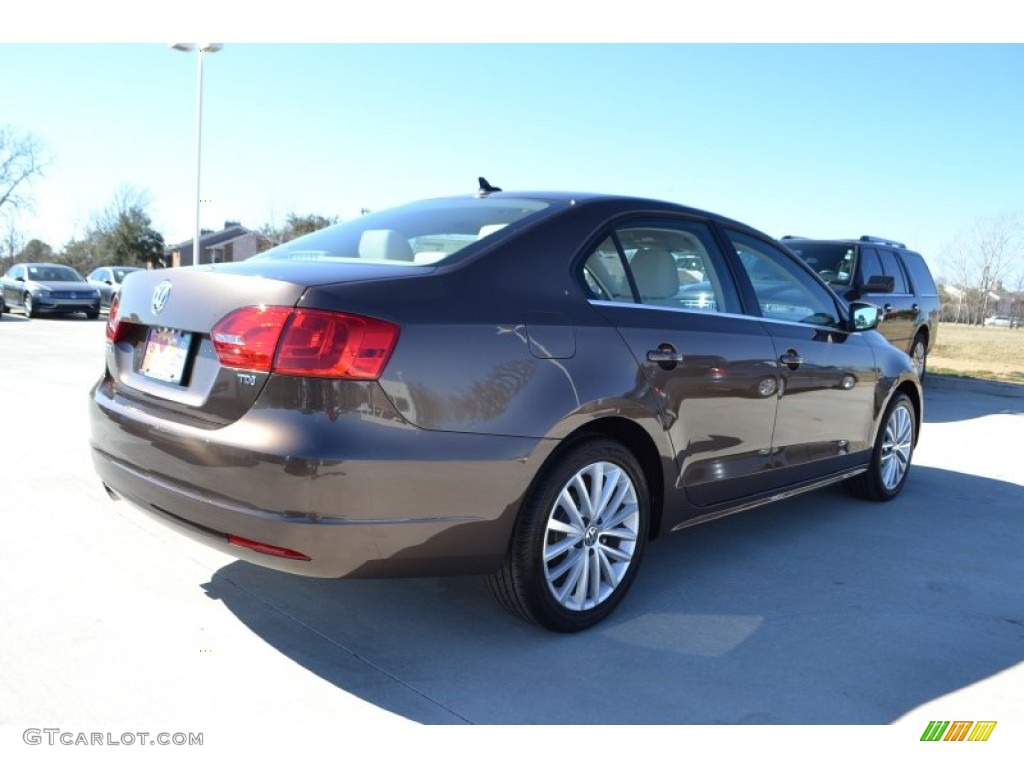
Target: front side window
[[833, 261], [670, 264], [870, 264], [784, 290]]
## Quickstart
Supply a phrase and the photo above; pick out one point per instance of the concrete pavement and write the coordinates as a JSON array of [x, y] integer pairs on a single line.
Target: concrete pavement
[[819, 610]]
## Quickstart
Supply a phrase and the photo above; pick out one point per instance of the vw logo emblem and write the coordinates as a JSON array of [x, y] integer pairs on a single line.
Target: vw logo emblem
[[160, 295]]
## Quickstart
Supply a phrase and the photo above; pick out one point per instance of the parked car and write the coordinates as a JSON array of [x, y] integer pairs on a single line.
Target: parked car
[[48, 289], [107, 280], [1004, 321], [886, 273], [503, 384]]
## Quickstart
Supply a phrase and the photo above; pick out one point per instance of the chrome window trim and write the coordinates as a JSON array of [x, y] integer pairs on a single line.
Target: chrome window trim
[[736, 315]]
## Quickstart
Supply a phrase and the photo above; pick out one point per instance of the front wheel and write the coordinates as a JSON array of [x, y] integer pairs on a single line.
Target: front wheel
[[890, 458], [579, 539], [30, 311]]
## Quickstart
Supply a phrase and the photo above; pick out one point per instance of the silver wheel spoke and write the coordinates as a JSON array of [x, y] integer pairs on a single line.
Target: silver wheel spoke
[[620, 517], [566, 502], [572, 561], [611, 553], [611, 574], [558, 548]]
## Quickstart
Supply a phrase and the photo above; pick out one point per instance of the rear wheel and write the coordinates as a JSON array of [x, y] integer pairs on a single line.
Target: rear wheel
[[919, 355], [890, 459], [579, 539]]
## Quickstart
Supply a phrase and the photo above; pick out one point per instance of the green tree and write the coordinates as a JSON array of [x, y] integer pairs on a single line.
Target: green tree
[[131, 241], [121, 233], [78, 254], [295, 226], [36, 250]]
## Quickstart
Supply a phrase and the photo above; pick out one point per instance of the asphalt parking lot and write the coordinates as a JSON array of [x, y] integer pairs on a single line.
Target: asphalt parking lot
[[819, 610]]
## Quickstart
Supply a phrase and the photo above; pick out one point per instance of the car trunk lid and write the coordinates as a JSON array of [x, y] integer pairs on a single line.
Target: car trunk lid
[[164, 359]]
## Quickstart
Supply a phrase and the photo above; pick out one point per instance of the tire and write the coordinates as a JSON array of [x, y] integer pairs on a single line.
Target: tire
[[92, 314], [919, 355], [891, 456], [29, 309], [569, 565]]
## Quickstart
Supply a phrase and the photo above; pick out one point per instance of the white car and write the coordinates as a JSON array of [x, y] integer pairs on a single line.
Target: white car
[[1004, 321]]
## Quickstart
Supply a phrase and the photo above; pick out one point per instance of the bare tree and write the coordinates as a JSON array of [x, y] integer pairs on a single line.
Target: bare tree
[[980, 264], [999, 243], [11, 242], [22, 158]]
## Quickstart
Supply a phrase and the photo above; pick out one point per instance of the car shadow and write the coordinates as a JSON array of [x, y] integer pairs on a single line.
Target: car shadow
[[820, 609]]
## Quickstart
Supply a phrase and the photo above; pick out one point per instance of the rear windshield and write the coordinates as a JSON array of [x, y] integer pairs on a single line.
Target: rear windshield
[[421, 233], [833, 261]]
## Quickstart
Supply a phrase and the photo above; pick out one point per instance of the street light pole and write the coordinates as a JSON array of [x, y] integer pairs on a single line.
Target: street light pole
[[200, 49]]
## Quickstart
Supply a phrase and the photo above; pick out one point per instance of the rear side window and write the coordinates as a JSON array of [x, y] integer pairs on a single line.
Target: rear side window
[[670, 264], [891, 266], [920, 275]]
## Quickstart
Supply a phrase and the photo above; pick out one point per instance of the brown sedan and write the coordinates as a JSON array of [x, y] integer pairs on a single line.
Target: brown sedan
[[529, 386]]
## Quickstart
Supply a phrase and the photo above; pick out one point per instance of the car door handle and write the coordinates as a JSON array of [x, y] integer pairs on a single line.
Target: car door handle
[[792, 358], [665, 355]]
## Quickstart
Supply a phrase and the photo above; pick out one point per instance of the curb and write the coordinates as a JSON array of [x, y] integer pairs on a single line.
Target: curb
[[977, 386]]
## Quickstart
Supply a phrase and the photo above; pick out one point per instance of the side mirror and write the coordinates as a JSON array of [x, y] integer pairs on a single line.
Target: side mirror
[[879, 284], [864, 316], [20, 279]]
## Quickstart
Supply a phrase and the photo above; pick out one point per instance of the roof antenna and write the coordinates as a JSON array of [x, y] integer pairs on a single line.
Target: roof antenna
[[485, 187]]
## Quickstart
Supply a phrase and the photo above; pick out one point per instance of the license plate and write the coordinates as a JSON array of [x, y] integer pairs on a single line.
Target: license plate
[[166, 354]]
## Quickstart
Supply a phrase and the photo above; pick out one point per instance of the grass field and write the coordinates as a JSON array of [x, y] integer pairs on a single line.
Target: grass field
[[979, 352]]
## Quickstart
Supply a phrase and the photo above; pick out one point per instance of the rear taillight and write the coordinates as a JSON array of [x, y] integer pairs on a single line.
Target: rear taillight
[[248, 337], [305, 342], [115, 329]]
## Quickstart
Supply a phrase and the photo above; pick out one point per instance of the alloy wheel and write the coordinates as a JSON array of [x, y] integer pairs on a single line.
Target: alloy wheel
[[897, 446], [591, 536]]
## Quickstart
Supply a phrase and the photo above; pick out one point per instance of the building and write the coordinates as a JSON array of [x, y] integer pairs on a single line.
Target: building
[[233, 243]]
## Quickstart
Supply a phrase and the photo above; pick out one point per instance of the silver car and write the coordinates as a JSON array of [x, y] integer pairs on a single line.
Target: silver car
[[48, 289], [107, 280]]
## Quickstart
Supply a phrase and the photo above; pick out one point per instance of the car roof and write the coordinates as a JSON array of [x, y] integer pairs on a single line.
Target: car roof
[[846, 241], [584, 198]]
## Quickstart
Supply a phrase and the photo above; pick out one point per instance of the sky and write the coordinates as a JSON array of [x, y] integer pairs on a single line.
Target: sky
[[915, 142]]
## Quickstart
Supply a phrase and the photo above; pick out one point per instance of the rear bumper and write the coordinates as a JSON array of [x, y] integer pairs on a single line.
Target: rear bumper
[[361, 494]]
